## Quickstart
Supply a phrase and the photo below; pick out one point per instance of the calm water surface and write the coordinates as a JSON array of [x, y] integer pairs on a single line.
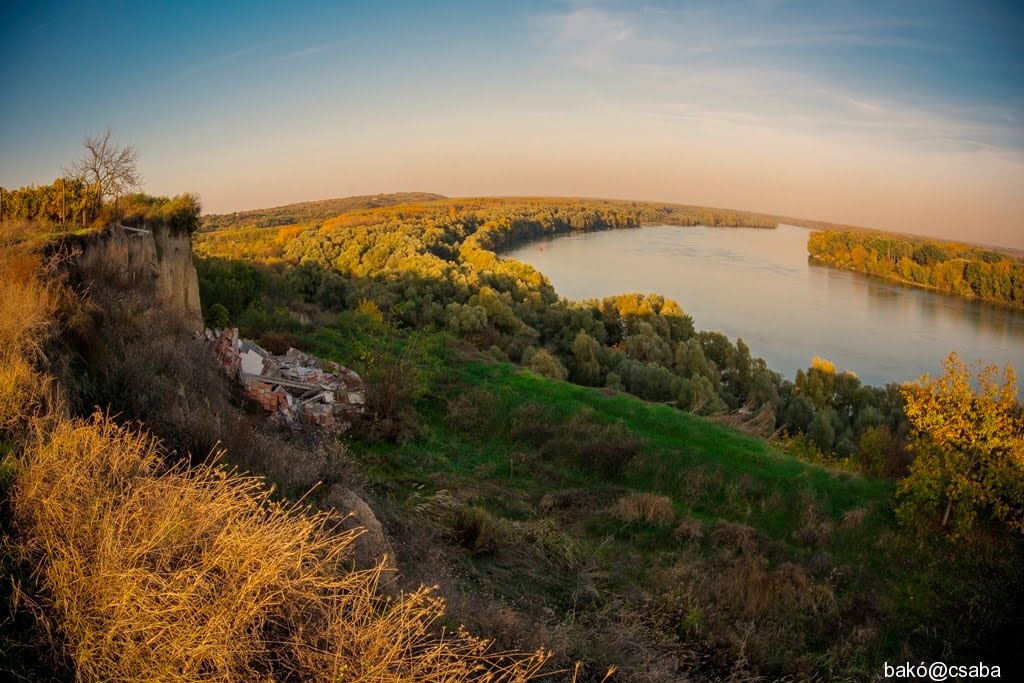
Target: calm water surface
[[758, 285]]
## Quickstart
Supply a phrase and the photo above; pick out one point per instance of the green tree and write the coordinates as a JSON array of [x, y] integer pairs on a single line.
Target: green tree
[[969, 444], [218, 317], [586, 363], [873, 449], [824, 428]]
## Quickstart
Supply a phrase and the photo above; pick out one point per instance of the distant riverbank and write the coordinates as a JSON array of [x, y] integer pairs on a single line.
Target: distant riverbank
[[948, 267], [761, 286]]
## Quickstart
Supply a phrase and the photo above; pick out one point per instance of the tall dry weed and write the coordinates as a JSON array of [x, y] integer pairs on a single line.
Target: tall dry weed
[[646, 508], [197, 574], [28, 308]]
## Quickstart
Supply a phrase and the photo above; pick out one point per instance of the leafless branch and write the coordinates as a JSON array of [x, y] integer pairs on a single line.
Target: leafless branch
[[107, 167]]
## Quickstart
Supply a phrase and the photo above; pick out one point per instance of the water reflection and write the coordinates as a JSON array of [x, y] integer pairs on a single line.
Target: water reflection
[[760, 285], [890, 300]]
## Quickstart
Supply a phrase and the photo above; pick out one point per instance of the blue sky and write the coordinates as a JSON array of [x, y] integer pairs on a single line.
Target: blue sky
[[903, 115]]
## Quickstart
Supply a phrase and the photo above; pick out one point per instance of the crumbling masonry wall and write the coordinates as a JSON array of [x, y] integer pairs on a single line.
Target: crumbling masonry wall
[[295, 389]]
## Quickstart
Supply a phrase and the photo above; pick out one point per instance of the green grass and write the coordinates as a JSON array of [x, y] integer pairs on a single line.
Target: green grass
[[902, 592], [523, 517]]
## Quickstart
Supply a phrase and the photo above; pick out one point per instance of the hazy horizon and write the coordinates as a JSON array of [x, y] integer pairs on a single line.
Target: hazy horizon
[[898, 116]]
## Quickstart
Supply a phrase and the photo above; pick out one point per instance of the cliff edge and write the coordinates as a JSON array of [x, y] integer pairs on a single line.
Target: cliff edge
[[153, 261]]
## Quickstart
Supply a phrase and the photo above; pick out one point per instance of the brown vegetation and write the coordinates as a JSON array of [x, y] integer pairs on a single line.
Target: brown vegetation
[[188, 574], [144, 571], [28, 309], [646, 508]]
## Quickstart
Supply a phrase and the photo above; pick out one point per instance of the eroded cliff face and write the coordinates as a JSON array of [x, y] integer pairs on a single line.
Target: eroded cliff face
[[154, 261]]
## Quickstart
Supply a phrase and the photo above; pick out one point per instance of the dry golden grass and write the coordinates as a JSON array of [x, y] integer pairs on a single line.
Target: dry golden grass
[[647, 508], [27, 311], [197, 574], [188, 574], [18, 383]]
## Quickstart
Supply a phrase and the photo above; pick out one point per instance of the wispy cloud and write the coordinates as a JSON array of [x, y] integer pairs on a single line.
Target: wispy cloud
[[591, 36], [790, 102], [225, 58], [308, 51], [751, 65]]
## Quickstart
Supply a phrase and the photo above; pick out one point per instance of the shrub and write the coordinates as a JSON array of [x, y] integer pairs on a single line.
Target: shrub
[[531, 424], [854, 518], [813, 534], [182, 213], [276, 343], [395, 380], [735, 535], [218, 317], [544, 364], [479, 531], [689, 529]]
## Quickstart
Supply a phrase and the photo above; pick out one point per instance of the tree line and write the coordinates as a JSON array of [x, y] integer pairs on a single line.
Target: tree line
[[435, 266], [946, 266], [105, 171]]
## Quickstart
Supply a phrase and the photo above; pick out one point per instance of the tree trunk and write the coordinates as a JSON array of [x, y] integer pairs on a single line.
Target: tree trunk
[[949, 508]]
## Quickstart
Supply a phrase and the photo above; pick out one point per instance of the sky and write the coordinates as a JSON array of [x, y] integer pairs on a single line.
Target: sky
[[903, 115]]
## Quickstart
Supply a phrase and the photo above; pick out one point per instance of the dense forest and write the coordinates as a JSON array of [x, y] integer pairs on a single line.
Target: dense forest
[[434, 266], [946, 266], [310, 211]]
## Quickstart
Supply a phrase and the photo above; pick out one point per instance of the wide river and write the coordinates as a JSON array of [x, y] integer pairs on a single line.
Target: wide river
[[758, 284]]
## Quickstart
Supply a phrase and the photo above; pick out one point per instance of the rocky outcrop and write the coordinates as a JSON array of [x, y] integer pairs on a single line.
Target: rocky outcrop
[[372, 545], [154, 261]]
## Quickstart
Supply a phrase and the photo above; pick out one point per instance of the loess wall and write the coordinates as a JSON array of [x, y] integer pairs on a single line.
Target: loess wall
[[155, 261]]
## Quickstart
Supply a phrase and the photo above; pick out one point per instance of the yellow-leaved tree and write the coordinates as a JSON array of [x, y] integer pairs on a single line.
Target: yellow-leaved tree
[[968, 439]]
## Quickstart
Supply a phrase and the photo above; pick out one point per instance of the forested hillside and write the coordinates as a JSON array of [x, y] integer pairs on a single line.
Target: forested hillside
[[310, 211], [434, 266], [616, 531], [946, 266]]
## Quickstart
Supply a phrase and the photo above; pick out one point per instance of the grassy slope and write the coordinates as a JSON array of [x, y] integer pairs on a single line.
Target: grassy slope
[[891, 593], [894, 595]]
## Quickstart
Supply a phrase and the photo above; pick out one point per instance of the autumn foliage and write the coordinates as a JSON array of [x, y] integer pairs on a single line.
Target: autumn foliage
[[969, 441], [950, 267]]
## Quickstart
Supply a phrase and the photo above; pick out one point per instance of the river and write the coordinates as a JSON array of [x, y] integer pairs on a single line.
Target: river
[[759, 285]]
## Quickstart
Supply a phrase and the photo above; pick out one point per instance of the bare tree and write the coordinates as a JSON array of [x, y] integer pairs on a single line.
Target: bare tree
[[111, 170]]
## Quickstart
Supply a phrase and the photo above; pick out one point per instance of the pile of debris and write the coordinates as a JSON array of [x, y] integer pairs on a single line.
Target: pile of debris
[[296, 388]]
